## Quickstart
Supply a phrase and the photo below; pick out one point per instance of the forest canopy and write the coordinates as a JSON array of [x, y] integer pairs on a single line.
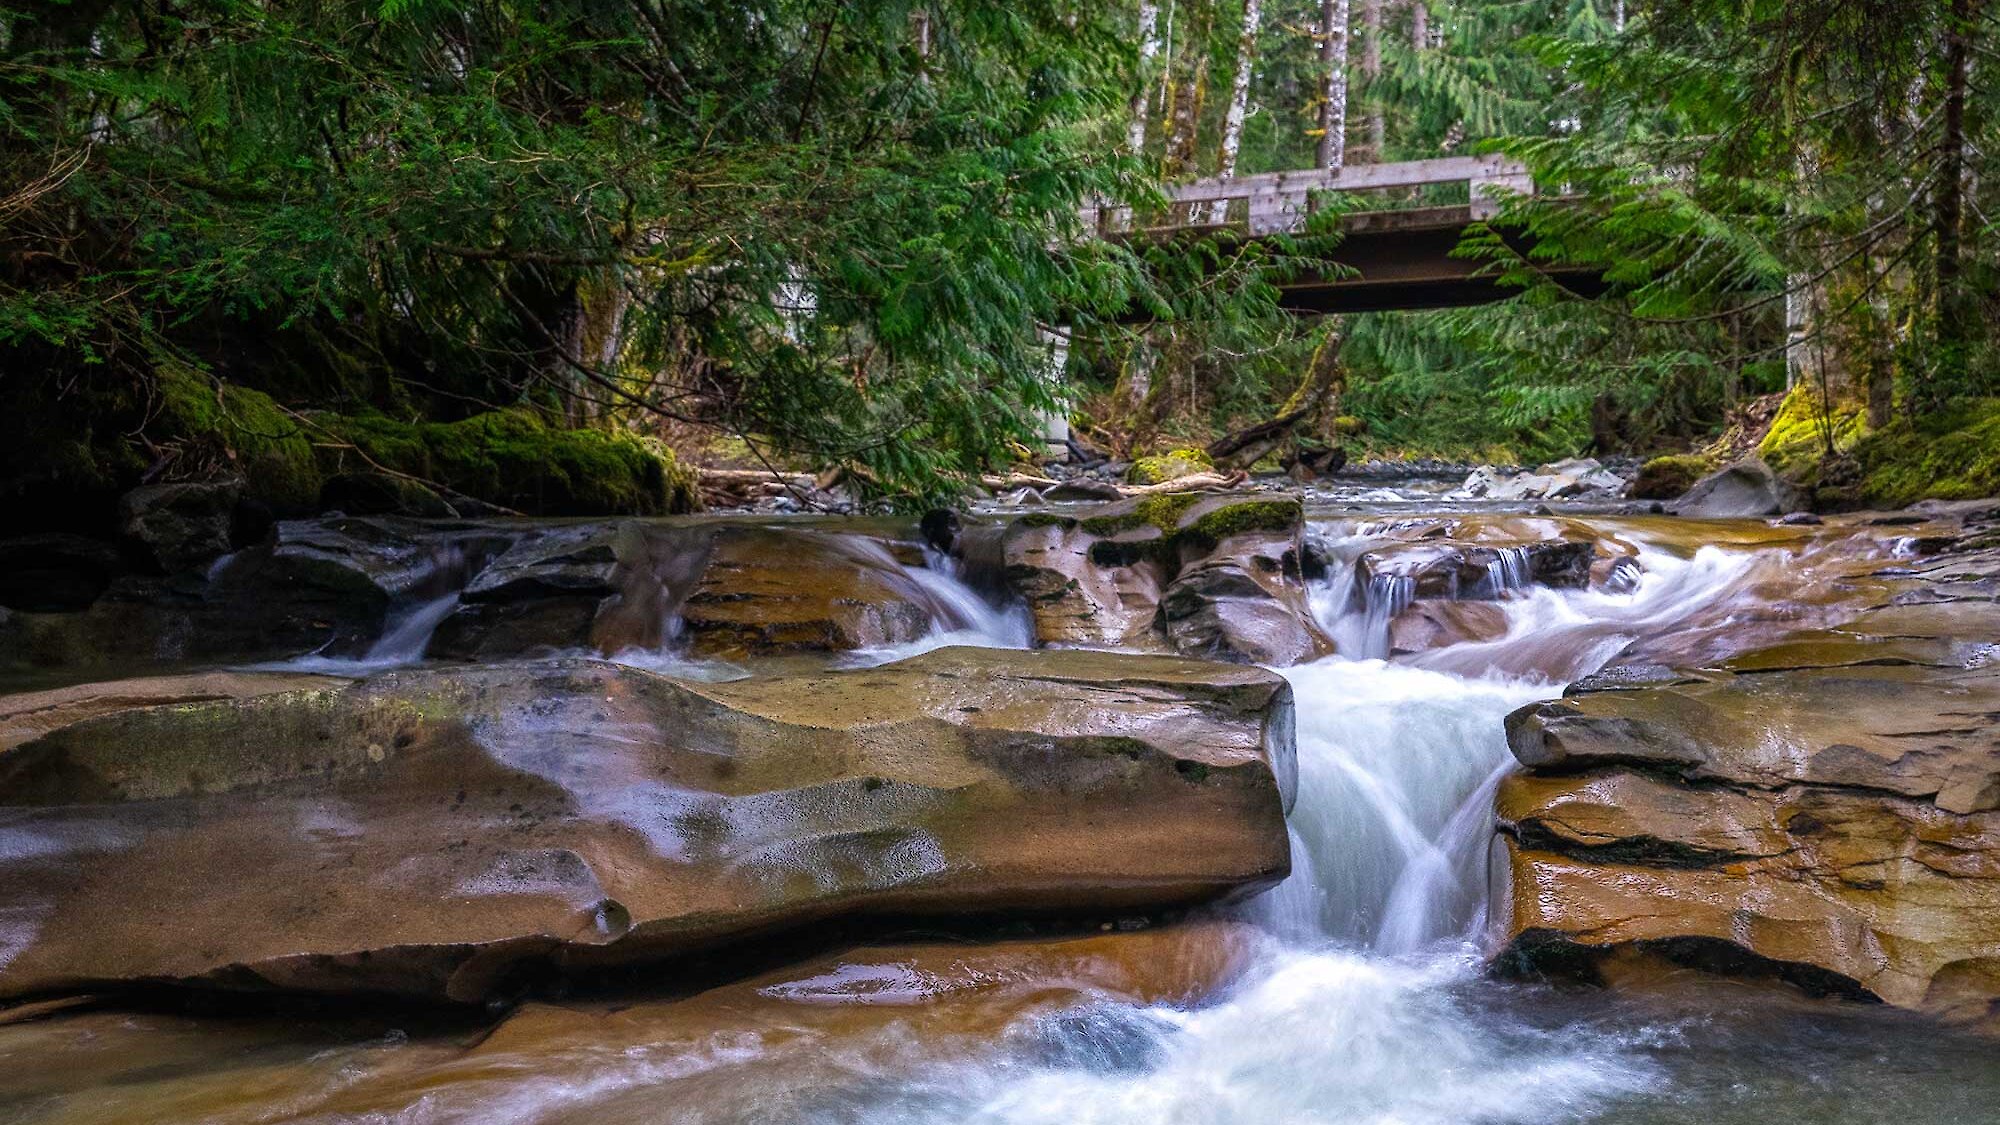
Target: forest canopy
[[850, 234]]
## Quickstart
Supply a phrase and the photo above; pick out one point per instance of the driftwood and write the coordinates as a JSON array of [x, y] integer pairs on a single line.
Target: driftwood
[[1012, 481], [1194, 482], [1264, 432]]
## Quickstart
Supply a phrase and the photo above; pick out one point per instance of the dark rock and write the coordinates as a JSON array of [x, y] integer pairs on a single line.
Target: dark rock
[[381, 494], [1747, 489], [57, 572], [185, 526], [940, 528]]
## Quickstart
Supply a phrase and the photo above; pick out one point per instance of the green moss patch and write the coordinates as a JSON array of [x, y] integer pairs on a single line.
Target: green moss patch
[[1169, 466], [1950, 455], [1664, 478], [1796, 445], [246, 427], [516, 459]]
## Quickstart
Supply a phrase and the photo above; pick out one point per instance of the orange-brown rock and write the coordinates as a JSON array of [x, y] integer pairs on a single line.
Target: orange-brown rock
[[1209, 575], [731, 590], [433, 834], [1826, 810], [741, 1049]]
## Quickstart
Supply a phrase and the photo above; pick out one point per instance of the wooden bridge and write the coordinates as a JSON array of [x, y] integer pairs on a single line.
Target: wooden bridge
[[1386, 259]]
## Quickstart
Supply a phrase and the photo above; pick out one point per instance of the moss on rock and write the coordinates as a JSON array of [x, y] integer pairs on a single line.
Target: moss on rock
[[1664, 478], [1796, 445], [514, 458], [1169, 466], [245, 427], [1948, 455]]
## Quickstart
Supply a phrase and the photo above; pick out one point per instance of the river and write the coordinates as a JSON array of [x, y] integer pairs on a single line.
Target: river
[[1355, 993]]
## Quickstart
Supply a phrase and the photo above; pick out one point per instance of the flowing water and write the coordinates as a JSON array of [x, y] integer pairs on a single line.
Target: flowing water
[[1355, 993]]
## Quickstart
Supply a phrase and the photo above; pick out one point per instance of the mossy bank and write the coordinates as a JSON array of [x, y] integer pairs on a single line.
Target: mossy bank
[[63, 469]]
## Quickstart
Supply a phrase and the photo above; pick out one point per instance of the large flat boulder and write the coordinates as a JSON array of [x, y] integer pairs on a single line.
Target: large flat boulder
[[439, 834], [1826, 809], [27, 716]]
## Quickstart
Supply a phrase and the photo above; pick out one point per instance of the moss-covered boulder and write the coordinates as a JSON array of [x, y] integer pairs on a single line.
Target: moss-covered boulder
[[1668, 477], [1949, 454], [1169, 466], [516, 459]]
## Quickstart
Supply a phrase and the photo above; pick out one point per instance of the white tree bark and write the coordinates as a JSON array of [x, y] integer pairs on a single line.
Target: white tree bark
[[1420, 26], [1333, 66], [1239, 101], [1149, 49], [1371, 72]]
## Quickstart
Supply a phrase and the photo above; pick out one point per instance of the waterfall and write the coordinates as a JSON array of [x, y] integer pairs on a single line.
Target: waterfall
[[1506, 573]]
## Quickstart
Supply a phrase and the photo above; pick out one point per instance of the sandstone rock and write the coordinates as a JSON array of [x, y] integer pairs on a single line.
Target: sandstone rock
[[1914, 731], [436, 834], [185, 526], [765, 591], [1206, 574], [1443, 568], [1811, 814], [957, 997], [1838, 890], [27, 716], [1746, 489]]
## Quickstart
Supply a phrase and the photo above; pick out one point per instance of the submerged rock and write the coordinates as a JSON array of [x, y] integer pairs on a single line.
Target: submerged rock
[[440, 834]]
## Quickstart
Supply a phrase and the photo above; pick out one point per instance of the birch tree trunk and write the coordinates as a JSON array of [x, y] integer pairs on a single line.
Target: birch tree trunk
[[1149, 49], [1239, 101], [1954, 328], [1190, 88], [1420, 26], [1333, 66], [1371, 72]]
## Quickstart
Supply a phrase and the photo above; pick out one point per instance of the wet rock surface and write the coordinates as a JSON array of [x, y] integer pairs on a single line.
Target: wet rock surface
[[772, 1032], [440, 834], [1212, 575], [1825, 808]]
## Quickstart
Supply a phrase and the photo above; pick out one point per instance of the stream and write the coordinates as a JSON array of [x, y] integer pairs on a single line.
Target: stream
[[1357, 992]]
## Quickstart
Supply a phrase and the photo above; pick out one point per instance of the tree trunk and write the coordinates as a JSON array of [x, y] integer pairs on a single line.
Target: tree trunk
[[1333, 68], [1190, 66], [1239, 101], [1371, 73], [1420, 26], [1954, 317], [1149, 49]]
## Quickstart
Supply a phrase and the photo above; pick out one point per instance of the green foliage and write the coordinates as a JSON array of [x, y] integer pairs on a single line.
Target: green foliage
[[798, 223]]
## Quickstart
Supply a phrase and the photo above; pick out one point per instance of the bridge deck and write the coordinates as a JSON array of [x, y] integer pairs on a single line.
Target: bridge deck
[[1399, 259]]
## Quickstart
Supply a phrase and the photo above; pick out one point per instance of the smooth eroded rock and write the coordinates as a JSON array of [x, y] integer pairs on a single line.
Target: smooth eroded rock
[[436, 834]]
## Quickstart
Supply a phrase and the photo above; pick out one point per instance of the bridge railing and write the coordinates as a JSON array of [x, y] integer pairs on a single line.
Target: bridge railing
[[1277, 202]]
